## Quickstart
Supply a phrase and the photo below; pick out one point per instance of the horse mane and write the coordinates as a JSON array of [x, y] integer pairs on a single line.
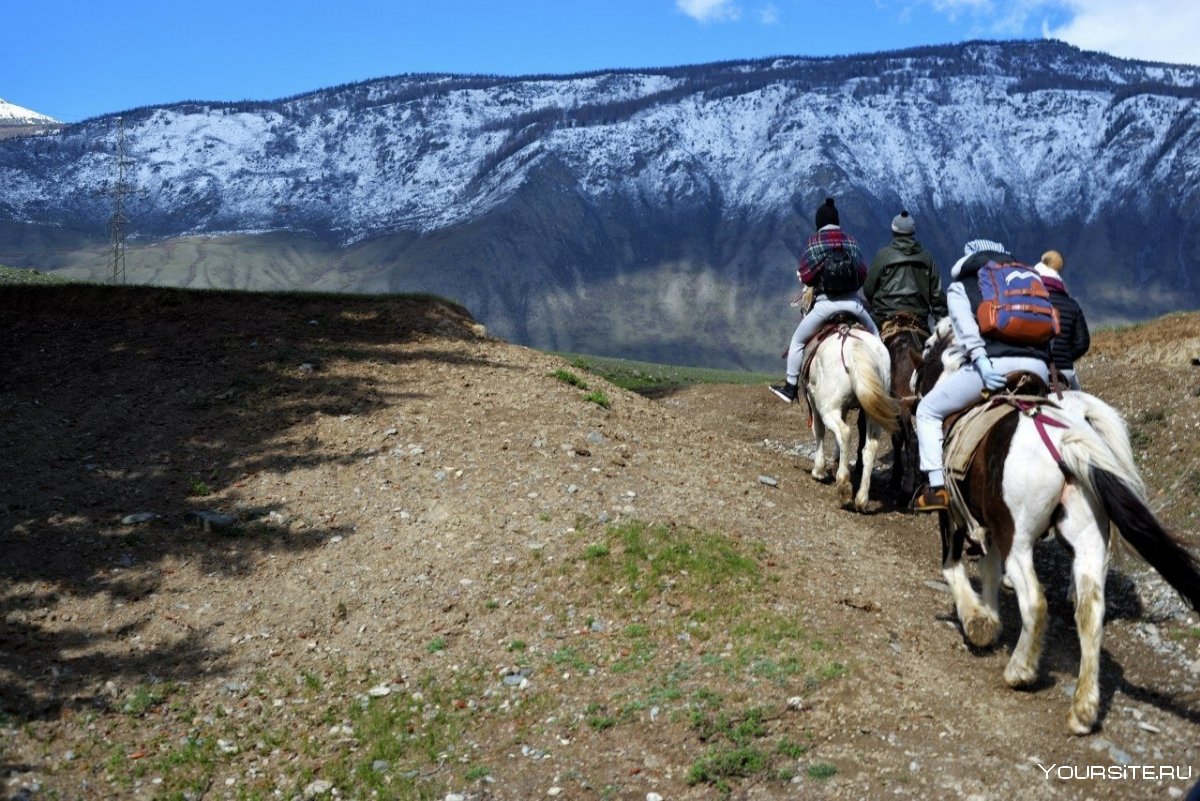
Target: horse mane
[[942, 345], [941, 348]]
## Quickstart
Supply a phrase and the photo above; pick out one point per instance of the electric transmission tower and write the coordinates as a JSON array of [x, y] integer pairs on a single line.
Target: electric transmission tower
[[117, 223]]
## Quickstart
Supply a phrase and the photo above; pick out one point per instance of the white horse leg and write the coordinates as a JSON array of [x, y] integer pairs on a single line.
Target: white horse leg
[[841, 436], [966, 604], [869, 451], [1022, 669], [983, 627], [1084, 527], [1033, 486], [818, 426]]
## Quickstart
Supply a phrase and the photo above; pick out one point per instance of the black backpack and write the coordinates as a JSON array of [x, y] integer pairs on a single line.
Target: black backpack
[[839, 274]]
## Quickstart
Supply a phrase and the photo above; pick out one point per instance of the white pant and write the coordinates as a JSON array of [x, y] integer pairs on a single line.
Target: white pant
[[822, 310], [953, 392]]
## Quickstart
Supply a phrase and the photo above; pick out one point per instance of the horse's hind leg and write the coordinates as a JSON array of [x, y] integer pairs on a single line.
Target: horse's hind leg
[[1031, 494], [818, 427], [1022, 669], [1084, 527], [870, 448], [841, 434]]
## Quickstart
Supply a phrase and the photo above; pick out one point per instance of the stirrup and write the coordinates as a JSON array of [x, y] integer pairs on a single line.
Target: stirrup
[[932, 500]]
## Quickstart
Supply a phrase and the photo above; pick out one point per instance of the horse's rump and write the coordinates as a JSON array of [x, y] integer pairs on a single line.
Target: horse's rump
[[860, 355]]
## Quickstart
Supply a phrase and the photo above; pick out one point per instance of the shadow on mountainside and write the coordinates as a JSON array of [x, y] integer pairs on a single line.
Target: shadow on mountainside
[[189, 393]]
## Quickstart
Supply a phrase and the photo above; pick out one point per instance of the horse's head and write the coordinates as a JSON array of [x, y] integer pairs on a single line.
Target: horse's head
[[942, 355]]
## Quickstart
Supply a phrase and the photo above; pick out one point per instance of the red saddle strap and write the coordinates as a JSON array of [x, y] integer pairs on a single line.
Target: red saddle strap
[[1041, 421]]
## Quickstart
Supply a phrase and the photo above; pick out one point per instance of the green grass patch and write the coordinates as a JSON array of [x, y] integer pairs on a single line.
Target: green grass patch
[[719, 585], [821, 771], [739, 746], [198, 488], [599, 398], [569, 658], [567, 377], [17, 275], [596, 551], [145, 697], [643, 561], [649, 378], [1185, 634], [1152, 417]]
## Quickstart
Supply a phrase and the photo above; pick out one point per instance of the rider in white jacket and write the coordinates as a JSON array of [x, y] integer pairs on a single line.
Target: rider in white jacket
[[991, 361]]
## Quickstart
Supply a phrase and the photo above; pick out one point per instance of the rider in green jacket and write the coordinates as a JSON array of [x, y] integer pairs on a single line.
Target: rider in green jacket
[[904, 278]]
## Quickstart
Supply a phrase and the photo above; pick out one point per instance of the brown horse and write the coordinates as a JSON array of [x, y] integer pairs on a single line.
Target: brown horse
[[904, 336]]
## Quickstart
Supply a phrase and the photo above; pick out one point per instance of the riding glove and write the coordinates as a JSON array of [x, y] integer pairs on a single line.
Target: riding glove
[[992, 379]]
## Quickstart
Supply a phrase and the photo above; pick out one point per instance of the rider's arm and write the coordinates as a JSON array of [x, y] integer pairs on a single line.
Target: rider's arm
[[871, 285], [962, 318]]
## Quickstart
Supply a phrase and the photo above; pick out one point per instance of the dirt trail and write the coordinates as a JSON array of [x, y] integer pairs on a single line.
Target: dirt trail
[[421, 511]]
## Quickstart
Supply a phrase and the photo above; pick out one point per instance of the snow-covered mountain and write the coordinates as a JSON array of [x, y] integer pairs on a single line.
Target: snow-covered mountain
[[12, 114], [654, 213]]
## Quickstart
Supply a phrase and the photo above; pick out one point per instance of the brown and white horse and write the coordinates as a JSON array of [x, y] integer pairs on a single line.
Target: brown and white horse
[[849, 370], [1073, 471]]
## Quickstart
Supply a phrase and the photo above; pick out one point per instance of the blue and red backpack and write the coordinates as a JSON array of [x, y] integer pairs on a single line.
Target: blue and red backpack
[[1015, 306]]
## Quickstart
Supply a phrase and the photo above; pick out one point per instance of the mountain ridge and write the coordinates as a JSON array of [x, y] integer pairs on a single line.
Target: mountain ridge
[[651, 213]]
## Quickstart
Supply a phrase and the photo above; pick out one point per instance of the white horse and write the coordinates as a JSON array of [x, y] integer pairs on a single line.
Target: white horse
[[1072, 470], [850, 369]]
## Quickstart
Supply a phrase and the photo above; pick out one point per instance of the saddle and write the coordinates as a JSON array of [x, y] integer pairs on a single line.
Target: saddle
[[1022, 386], [841, 322], [965, 431], [903, 324]]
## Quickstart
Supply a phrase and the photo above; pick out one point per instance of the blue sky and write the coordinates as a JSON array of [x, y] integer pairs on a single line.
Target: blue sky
[[74, 59]]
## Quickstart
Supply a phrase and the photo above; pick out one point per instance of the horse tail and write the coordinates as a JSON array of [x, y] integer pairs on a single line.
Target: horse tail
[[1152, 541], [868, 385], [1117, 487], [1110, 427]]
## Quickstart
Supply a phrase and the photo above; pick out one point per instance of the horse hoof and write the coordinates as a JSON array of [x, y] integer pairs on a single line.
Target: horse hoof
[[1082, 722], [1019, 678], [982, 631]]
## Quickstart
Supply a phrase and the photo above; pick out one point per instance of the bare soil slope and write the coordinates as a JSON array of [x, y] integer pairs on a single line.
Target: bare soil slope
[[444, 572]]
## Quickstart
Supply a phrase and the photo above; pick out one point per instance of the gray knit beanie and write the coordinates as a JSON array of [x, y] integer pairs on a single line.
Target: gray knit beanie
[[903, 224]]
